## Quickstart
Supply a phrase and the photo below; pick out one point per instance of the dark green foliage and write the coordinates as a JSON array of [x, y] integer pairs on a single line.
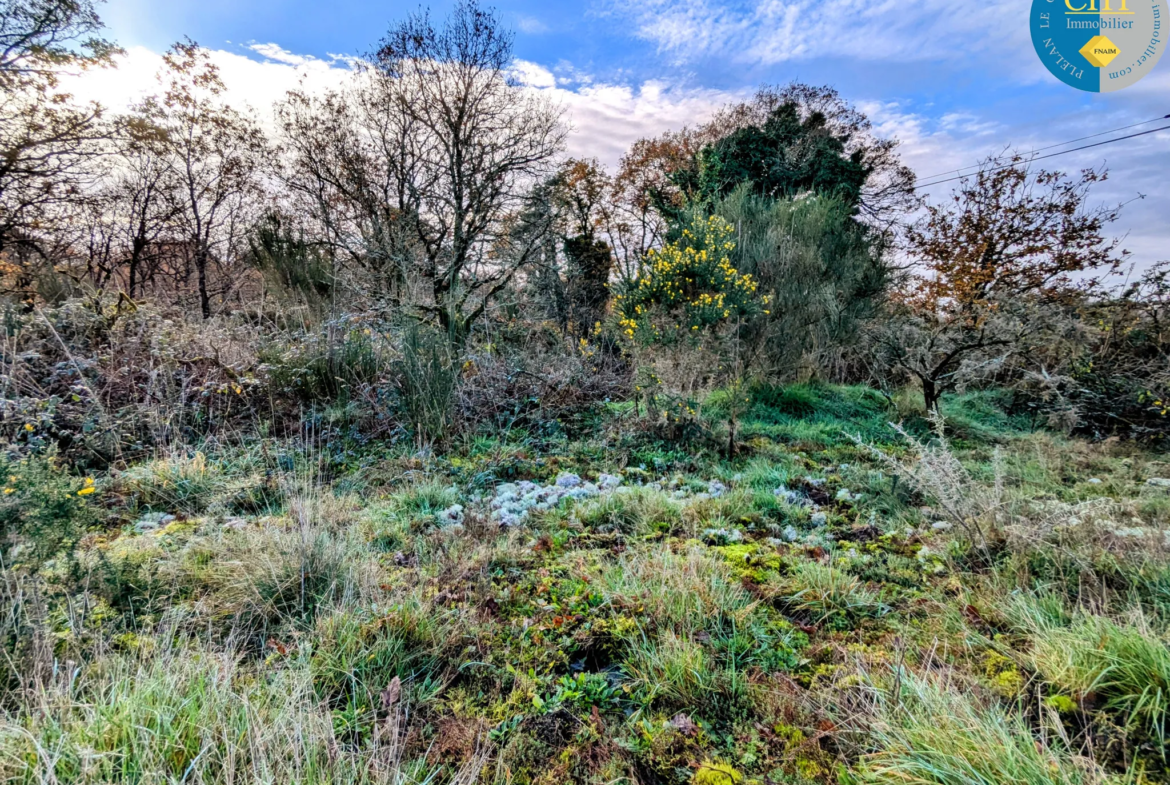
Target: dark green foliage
[[589, 265], [793, 400], [823, 271], [788, 155], [291, 263]]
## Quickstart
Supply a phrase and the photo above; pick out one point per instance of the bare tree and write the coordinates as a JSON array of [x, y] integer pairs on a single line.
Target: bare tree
[[46, 139], [425, 167], [213, 156], [344, 167], [129, 222]]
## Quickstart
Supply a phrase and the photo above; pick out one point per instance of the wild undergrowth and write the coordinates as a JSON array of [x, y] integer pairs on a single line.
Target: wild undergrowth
[[846, 601]]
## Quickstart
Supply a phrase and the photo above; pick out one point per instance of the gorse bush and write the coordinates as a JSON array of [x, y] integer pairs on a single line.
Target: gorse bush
[[43, 510], [689, 287], [822, 272]]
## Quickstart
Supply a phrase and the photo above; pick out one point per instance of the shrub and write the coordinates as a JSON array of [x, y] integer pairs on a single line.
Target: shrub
[[693, 311], [936, 472], [337, 363], [43, 510], [106, 381]]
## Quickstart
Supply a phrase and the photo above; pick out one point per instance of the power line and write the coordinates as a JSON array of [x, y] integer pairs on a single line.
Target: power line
[[1058, 144], [1050, 155]]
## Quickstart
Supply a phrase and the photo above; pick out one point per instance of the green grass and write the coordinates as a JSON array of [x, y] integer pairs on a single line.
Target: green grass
[[933, 732], [1124, 665], [305, 619], [826, 591], [187, 713]]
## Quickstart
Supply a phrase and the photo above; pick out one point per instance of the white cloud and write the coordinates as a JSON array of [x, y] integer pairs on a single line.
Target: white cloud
[[257, 84], [533, 75], [776, 31], [605, 118], [965, 122], [531, 25], [279, 54]]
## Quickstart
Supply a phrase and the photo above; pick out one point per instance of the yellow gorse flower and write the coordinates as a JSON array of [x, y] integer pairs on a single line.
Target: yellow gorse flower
[[689, 285]]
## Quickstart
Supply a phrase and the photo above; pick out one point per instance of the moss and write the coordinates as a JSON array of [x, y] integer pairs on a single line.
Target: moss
[[810, 769], [711, 773], [1061, 704], [749, 561], [1002, 674], [791, 735]]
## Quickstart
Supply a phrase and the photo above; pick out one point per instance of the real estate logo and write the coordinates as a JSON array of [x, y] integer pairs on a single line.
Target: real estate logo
[[1099, 45]]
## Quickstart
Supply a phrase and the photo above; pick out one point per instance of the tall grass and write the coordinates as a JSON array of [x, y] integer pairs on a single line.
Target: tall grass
[[428, 380], [697, 631], [187, 713], [927, 731], [1124, 665], [823, 591]]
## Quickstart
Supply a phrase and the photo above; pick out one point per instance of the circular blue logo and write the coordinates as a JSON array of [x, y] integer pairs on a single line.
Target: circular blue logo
[[1099, 45]]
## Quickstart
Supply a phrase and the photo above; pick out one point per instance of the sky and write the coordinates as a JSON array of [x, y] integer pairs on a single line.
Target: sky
[[953, 83]]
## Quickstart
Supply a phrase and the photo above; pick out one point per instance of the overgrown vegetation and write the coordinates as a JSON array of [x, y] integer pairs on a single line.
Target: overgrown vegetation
[[452, 461]]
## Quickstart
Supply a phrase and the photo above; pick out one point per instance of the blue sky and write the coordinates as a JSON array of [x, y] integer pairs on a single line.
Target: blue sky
[[953, 82]]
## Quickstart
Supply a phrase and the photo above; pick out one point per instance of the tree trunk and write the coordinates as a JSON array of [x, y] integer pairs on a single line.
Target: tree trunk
[[930, 394], [201, 271], [136, 251]]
